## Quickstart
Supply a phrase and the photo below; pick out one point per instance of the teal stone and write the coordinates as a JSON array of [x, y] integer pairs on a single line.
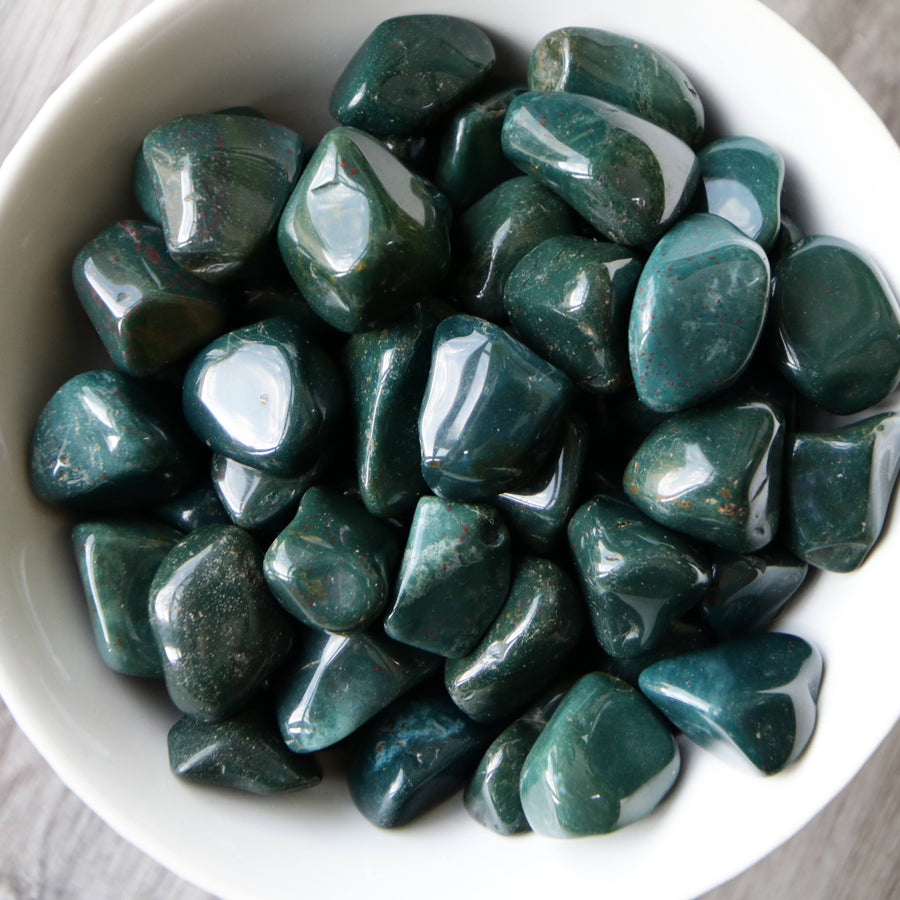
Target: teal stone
[[410, 71], [528, 643], [221, 182], [245, 753], [387, 372], [698, 313], [749, 590], [117, 559], [714, 473], [629, 178], [604, 761], [453, 579], [219, 631], [470, 159], [569, 299], [332, 566], [741, 180], [144, 191], [265, 396], [826, 295], [638, 578], [683, 637], [751, 699], [495, 233], [338, 682], [619, 70], [362, 236], [193, 509], [839, 487], [491, 412], [107, 441]]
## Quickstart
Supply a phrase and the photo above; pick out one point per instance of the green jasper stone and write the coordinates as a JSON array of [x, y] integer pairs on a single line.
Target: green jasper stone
[[638, 578], [629, 178], [117, 559], [331, 567], [387, 371], [491, 412], [741, 180], [827, 295], [698, 313], [410, 71], [619, 70], [193, 509], [362, 236], [219, 631], [750, 590], [839, 486], [246, 753], [714, 473], [144, 190], [537, 627], [495, 233], [221, 183], [453, 579], [604, 760], [265, 396], [751, 699], [471, 159], [569, 299], [684, 637], [109, 442], [338, 682]]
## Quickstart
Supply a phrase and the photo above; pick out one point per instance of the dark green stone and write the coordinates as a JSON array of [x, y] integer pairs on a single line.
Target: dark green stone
[[569, 299], [331, 567], [827, 295], [491, 412], [619, 70], [410, 71], [246, 753], [338, 682], [629, 178], [536, 629], [418, 152], [362, 236], [454, 577], [193, 509], [265, 396], [752, 698], [714, 473], [839, 486], [684, 637], [495, 233], [638, 578], [698, 313], [221, 183], [604, 760], [144, 191]]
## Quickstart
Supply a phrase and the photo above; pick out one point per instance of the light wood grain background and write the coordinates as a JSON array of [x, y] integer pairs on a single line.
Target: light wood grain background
[[53, 847]]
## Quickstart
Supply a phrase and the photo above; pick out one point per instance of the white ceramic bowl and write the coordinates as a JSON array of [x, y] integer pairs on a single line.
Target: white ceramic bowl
[[105, 735]]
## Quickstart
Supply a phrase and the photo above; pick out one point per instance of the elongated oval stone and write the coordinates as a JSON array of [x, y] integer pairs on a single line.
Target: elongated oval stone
[[362, 236], [827, 295], [638, 577], [409, 72], [839, 486], [619, 70], [698, 313], [751, 699], [604, 760], [713, 473], [219, 630], [629, 178], [193, 509]]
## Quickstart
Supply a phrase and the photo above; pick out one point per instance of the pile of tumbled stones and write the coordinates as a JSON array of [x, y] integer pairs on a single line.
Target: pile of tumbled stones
[[502, 388]]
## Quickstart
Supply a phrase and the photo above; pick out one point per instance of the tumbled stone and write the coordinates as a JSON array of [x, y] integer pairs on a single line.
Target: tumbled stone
[[604, 760], [193, 509], [698, 313], [839, 486], [628, 177], [409, 72], [827, 295], [751, 698]]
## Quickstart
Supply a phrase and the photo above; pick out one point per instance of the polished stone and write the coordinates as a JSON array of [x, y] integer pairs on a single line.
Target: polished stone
[[193, 509]]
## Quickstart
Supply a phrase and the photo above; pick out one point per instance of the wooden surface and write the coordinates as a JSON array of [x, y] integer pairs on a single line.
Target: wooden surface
[[52, 846]]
